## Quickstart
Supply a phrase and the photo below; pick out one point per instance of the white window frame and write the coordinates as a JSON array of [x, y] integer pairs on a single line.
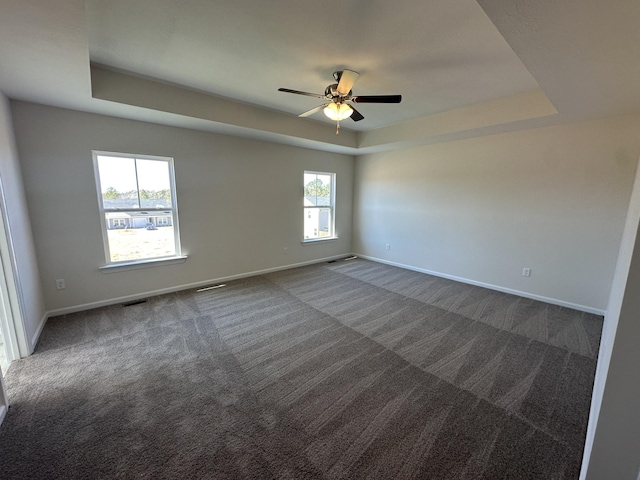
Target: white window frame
[[332, 222], [173, 209]]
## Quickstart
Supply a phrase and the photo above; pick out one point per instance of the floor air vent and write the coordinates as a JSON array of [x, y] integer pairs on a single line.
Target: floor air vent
[[211, 287], [135, 302], [352, 257]]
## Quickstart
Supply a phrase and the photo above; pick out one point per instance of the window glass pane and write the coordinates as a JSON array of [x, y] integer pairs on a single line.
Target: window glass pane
[[135, 235], [323, 190], [310, 180], [317, 223], [118, 182], [154, 184], [317, 189]]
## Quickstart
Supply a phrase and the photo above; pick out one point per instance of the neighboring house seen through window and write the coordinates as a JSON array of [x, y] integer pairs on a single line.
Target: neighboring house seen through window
[[137, 199], [319, 205]]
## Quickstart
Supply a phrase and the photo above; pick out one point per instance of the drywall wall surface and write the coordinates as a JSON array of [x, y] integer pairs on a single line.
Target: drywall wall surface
[[552, 199], [25, 281], [239, 202], [614, 427]]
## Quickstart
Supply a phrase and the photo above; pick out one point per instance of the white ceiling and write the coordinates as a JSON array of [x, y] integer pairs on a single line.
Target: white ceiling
[[463, 67], [438, 55]]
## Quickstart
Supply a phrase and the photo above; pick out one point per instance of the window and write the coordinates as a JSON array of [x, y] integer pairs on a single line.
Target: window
[[136, 193], [319, 205]]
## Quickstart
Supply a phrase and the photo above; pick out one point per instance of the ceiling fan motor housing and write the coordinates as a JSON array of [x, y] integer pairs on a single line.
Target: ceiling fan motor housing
[[331, 92]]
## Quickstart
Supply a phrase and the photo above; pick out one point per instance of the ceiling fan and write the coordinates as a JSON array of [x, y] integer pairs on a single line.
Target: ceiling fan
[[339, 93]]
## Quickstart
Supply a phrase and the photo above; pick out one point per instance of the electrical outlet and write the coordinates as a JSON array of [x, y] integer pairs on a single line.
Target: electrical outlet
[[388, 246], [526, 272], [285, 251], [60, 284]]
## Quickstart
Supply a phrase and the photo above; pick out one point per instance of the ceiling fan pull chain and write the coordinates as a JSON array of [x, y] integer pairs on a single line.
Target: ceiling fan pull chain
[[338, 127]]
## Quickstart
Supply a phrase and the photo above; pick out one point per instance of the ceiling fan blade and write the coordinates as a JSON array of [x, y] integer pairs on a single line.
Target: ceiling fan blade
[[297, 92], [347, 79], [356, 116], [377, 99], [313, 110]]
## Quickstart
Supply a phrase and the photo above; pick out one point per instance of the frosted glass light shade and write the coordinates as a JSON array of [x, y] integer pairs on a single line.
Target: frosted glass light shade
[[338, 111]]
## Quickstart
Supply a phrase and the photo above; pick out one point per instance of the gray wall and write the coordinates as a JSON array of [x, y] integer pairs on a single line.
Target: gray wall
[[25, 283], [239, 202], [613, 444], [552, 199]]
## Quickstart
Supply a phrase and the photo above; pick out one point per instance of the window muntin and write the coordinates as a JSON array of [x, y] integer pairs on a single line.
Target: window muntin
[[319, 205], [136, 196]]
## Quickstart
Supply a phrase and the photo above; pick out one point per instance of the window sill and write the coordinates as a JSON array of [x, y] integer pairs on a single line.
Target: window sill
[[319, 240], [156, 262]]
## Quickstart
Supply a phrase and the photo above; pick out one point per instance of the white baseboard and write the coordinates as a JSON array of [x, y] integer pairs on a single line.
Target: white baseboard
[[552, 301], [177, 288], [36, 336]]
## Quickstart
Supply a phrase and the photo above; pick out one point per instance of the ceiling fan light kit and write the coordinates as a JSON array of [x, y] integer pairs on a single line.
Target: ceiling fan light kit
[[340, 92], [338, 111]]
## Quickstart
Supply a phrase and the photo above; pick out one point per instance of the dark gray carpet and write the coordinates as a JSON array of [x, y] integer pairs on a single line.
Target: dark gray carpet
[[343, 370]]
